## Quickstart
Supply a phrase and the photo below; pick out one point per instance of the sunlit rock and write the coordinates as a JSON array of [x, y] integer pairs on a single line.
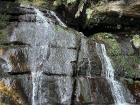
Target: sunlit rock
[[11, 91]]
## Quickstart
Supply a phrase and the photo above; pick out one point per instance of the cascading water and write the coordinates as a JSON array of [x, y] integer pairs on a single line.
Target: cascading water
[[108, 71], [40, 16], [36, 74], [36, 78], [37, 50], [60, 22]]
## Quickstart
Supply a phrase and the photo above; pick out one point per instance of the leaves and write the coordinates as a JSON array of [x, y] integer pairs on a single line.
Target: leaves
[[80, 8], [89, 12], [70, 1], [65, 2], [136, 41]]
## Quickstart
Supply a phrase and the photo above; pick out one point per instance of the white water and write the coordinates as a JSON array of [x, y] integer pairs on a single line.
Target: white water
[[37, 50], [41, 17], [13, 37], [40, 50], [108, 72], [36, 81], [60, 22]]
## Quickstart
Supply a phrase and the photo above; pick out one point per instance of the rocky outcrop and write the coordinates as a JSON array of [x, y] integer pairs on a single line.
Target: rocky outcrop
[[41, 55], [88, 16], [125, 58], [42, 61], [93, 91]]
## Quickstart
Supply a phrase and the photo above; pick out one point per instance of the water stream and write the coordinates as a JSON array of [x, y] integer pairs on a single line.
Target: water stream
[[108, 72], [41, 17], [37, 50], [36, 81], [59, 65]]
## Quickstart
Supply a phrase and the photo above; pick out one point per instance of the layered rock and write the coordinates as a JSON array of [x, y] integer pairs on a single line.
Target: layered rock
[[42, 61], [88, 16]]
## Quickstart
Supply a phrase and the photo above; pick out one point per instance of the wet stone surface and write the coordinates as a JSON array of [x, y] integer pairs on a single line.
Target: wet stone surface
[[14, 60], [53, 90], [43, 62], [93, 91], [134, 87]]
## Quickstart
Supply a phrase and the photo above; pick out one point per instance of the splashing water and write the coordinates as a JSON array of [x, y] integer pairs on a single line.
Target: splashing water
[[108, 71]]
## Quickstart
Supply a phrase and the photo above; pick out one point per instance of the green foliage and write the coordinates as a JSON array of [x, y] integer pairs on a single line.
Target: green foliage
[[127, 64], [89, 12], [113, 48], [80, 8], [3, 20], [3, 24], [136, 41], [64, 2], [3, 35]]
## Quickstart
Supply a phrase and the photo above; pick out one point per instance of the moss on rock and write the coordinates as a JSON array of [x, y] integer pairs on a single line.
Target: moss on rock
[[126, 65], [113, 47], [3, 35]]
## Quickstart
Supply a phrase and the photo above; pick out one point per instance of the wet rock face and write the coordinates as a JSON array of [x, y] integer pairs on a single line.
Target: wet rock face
[[43, 62], [46, 49], [93, 91], [42, 58], [42, 41], [88, 62], [124, 58], [135, 90], [55, 90], [37, 46]]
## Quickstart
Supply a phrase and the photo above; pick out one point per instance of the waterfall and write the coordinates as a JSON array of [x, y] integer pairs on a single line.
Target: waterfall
[[60, 22], [40, 49], [36, 78], [41, 17], [108, 71]]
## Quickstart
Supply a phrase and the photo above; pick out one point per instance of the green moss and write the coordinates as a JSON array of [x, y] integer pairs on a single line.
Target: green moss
[[113, 47], [3, 20], [127, 64], [3, 35]]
